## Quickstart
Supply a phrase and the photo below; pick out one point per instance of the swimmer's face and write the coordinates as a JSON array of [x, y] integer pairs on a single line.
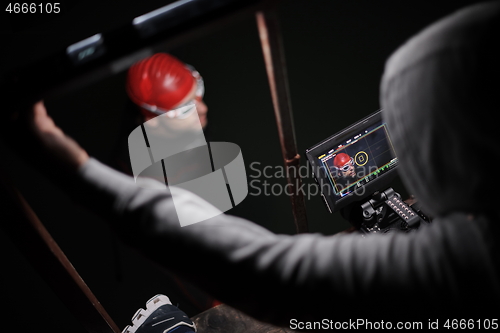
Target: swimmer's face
[[350, 170]]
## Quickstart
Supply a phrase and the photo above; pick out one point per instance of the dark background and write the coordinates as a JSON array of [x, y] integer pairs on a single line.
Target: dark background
[[335, 52]]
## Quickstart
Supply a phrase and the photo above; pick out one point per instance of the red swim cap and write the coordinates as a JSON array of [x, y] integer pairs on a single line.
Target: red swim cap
[[160, 80], [341, 159]]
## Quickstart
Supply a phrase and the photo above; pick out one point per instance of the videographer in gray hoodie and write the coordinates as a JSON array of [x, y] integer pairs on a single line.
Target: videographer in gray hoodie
[[440, 94]]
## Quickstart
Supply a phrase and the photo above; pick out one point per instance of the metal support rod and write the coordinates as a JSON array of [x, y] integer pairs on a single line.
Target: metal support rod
[[34, 241], [274, 58]]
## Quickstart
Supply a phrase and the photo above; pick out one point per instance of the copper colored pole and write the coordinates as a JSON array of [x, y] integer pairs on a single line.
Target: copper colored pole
[[33, 240], [274, 58]]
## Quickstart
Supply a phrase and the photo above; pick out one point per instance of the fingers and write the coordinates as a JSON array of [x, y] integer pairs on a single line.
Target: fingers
[[39, 109], [42, 123], [55, 143]]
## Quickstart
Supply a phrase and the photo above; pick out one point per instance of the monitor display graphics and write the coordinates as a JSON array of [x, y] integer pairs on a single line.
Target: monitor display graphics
[[359, 160]]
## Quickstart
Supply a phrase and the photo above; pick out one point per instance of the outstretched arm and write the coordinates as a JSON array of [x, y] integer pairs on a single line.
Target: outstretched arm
[[272, 273]]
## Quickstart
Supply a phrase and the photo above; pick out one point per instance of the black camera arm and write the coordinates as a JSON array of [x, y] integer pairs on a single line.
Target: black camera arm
[[374, 213]]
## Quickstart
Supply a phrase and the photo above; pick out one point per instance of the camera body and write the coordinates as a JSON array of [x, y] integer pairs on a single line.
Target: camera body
[[354, 169]]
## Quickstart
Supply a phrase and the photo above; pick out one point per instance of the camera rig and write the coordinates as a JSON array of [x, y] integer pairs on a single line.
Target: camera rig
[[354, 169], [385, 212]]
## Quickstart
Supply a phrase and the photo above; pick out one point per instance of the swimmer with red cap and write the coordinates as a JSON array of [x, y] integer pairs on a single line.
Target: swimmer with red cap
[[345, 164], [161, 84]]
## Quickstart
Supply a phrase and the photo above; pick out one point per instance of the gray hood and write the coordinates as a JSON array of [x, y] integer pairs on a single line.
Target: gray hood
[[441, 98]]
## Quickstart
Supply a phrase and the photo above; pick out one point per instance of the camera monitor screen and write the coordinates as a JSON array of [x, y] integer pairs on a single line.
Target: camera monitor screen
[[354, 163]]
